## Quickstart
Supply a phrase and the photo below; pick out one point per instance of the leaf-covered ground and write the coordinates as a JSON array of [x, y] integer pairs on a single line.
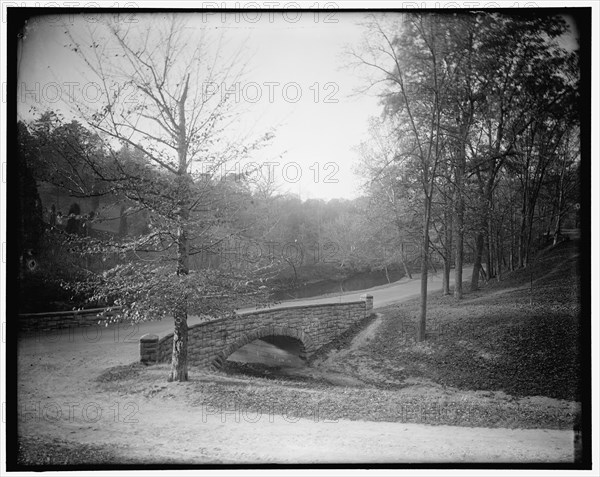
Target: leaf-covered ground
[[520, 335], [523, 352], [58, 452], [416, 402]]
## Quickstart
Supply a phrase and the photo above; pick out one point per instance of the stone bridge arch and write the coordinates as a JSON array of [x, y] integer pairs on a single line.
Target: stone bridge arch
[[307, 344], [212, 342]]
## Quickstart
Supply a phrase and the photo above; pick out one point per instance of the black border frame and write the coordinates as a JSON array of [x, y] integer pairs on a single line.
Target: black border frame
[[16, 17]]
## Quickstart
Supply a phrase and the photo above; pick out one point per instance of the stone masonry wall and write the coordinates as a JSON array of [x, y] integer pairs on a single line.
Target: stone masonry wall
[[212, 342], [60, 320]]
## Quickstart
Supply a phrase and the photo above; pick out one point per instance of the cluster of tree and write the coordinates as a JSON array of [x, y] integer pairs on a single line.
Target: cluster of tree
[[478, 145], [307, 240], [71, 163], [301, 241]]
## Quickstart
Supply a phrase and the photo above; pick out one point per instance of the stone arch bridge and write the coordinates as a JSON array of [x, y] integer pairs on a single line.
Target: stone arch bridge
[[212, 342]]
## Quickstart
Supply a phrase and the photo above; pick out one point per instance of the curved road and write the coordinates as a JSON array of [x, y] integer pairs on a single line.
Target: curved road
[[122, 341], [383, 295]]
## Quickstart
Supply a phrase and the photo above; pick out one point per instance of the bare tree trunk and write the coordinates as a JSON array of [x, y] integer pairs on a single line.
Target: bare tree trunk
[[464, 123], [402, 259], [557, 229], [459, 231], [511, 258], [477, 261], [483, 233], [179, 361], [458, 262], [521, 242], [560, 202], [489, 241], [523, 239], [406, 269], [498, 255], [424, 270], [446, 277], [528, 234], [448, 225]]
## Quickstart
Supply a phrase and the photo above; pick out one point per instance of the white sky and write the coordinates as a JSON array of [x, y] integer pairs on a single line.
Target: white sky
[[302, 53], [316, 133]]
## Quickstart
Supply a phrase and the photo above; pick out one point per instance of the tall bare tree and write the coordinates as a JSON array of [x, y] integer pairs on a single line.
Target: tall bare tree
[[161, 84], [408, 55]]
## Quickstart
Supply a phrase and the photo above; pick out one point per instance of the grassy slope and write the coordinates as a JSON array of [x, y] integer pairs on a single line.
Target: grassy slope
[[493, 339]]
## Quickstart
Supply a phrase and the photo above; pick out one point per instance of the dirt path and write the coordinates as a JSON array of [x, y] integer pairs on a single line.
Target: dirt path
[[63, 401], [59, 398], [324, 366], [209, 435]]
